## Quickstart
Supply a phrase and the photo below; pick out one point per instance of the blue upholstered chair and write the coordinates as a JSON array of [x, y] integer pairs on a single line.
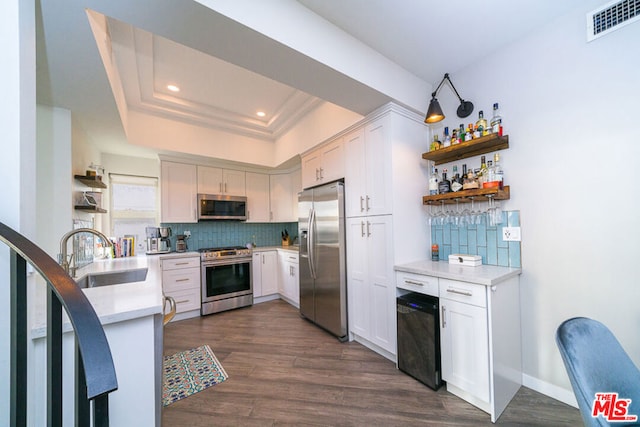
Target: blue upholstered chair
[[597, 363]]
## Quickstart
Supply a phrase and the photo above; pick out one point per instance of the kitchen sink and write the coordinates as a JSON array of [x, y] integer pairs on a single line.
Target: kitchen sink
[[113, 278]]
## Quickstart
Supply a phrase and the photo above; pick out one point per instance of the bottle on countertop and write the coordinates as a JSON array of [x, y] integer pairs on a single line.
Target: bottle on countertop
[[444, 186], [433, 181], [446, 138], [496, 120], [435, 252]]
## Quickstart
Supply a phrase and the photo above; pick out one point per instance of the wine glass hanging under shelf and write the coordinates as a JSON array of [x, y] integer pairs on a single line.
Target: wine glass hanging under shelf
[[466, 196]]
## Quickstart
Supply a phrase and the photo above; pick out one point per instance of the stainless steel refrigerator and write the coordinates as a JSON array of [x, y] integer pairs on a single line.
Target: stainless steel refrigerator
[[323, 280]]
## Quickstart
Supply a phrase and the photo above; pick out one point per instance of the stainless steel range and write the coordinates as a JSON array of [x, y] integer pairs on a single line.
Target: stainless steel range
[[226, 279]]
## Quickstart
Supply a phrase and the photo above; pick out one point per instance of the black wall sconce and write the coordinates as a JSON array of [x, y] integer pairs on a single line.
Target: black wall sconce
[[435, 114]]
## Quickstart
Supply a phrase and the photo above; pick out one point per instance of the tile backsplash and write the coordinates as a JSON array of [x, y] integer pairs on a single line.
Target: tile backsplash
[[480, 239], [211, 234]]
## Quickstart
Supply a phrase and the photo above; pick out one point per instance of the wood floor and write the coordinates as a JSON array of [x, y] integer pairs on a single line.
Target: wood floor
[[285, 371]]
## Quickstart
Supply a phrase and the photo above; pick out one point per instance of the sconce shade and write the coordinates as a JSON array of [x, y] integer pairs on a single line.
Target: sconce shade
[[434, 113]]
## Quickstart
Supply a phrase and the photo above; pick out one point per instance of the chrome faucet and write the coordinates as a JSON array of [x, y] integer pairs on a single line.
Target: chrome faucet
[[62, 256]]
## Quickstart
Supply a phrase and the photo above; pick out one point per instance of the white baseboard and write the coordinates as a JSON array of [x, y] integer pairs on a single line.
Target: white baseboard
[[551, 390]]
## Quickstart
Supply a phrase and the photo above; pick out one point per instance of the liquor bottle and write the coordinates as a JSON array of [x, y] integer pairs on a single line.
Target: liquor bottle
[[461, 133], [444, 186], [489, 180], [470, 182], [454, 137], [481, 124], [496, 120], [497, 170], [436, 144], [468, 136], [456, 181], [446, 139], [433, 181], [482, 175]]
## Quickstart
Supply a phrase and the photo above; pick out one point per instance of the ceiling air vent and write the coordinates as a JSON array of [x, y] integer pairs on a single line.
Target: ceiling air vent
[[611, 16]]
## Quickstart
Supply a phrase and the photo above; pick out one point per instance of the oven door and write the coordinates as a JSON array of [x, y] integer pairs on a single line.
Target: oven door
[[226, 279]]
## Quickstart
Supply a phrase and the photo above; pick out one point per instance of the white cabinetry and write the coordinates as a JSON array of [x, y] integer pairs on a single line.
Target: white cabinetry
[[368, 153], [181, 280], [371, 289], [324, 164], [265, 273], [221, 181], [257, 197], [178, 186], [289, 285], [280, 198]]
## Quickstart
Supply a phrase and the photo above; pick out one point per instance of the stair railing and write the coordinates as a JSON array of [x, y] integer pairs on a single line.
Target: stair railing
[[95, 375]]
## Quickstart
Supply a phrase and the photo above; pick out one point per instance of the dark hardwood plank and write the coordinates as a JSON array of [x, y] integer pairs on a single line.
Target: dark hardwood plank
[[284, 371]]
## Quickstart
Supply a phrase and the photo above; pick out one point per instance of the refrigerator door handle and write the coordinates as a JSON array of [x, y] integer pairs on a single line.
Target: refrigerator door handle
[[311, 242]]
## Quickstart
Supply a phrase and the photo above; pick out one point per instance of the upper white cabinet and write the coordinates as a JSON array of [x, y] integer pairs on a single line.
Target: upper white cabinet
[[258, 209], [368, 154], [179, 188], [281, 199], [221, 181], [324, 164]]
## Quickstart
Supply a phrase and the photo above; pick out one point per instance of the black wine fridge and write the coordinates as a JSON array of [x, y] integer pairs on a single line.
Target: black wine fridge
[[419, 338]]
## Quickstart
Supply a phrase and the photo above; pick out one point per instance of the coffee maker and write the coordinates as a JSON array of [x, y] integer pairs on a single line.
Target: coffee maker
[[181, 243], [165, 243], [158, 240]]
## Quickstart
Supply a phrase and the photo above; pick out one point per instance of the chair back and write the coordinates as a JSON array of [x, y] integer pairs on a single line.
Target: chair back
[[597, 363]]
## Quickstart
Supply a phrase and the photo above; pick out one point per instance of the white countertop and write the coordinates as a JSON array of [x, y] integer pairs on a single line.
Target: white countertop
[[483, 274], [291, 248], [115, 303]]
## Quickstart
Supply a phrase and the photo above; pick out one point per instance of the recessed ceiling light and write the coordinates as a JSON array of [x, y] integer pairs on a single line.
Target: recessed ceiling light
[[173, 88], [261, 114]]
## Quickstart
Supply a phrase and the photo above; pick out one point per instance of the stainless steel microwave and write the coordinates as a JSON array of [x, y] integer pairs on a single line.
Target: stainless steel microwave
[[218, 206]]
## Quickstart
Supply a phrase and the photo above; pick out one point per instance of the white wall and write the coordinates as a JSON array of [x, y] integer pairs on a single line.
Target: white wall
[[17, 171], [571, 111]]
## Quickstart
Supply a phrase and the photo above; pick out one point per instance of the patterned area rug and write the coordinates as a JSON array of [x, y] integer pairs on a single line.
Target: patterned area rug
[[189, 372]]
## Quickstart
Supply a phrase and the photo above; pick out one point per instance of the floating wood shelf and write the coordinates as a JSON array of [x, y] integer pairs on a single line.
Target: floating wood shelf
[[90, 181], [475, 147], [91, 209], [465, 196]]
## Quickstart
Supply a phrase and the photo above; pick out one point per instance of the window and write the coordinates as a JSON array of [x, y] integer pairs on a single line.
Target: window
[[134, 206]]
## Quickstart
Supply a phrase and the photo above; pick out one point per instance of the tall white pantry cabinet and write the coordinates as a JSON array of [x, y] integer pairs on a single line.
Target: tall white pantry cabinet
[[385, 178]]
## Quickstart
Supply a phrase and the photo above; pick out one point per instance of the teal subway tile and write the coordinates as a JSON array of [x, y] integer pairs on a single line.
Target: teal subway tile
[[515, 255], [446, 234], [472, 241], [501, 243], [503, 257], [482, 251], [445, 251], [462, 236], [513, 218], [492, 247], [455, 237], [482, 235], [464, 249]]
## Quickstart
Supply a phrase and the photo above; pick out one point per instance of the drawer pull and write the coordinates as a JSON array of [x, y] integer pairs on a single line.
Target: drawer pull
[[182, 301], [182, 280], [455, 291], [182, 263], [411, 282]]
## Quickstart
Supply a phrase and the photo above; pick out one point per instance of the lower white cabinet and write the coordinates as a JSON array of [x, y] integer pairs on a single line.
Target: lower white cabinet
[[480, 342], [181, 281], [289, 285], [370, 282], [265, 273]]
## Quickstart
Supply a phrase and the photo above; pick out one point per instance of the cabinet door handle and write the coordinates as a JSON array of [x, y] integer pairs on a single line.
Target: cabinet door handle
[[225, 187], [361, 204], [455, 291], [321, 173], [263, 259], [220, 186], [362, 228], [368, 229], [412, 282], [444, 319], [367, 204], [317, 174]]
